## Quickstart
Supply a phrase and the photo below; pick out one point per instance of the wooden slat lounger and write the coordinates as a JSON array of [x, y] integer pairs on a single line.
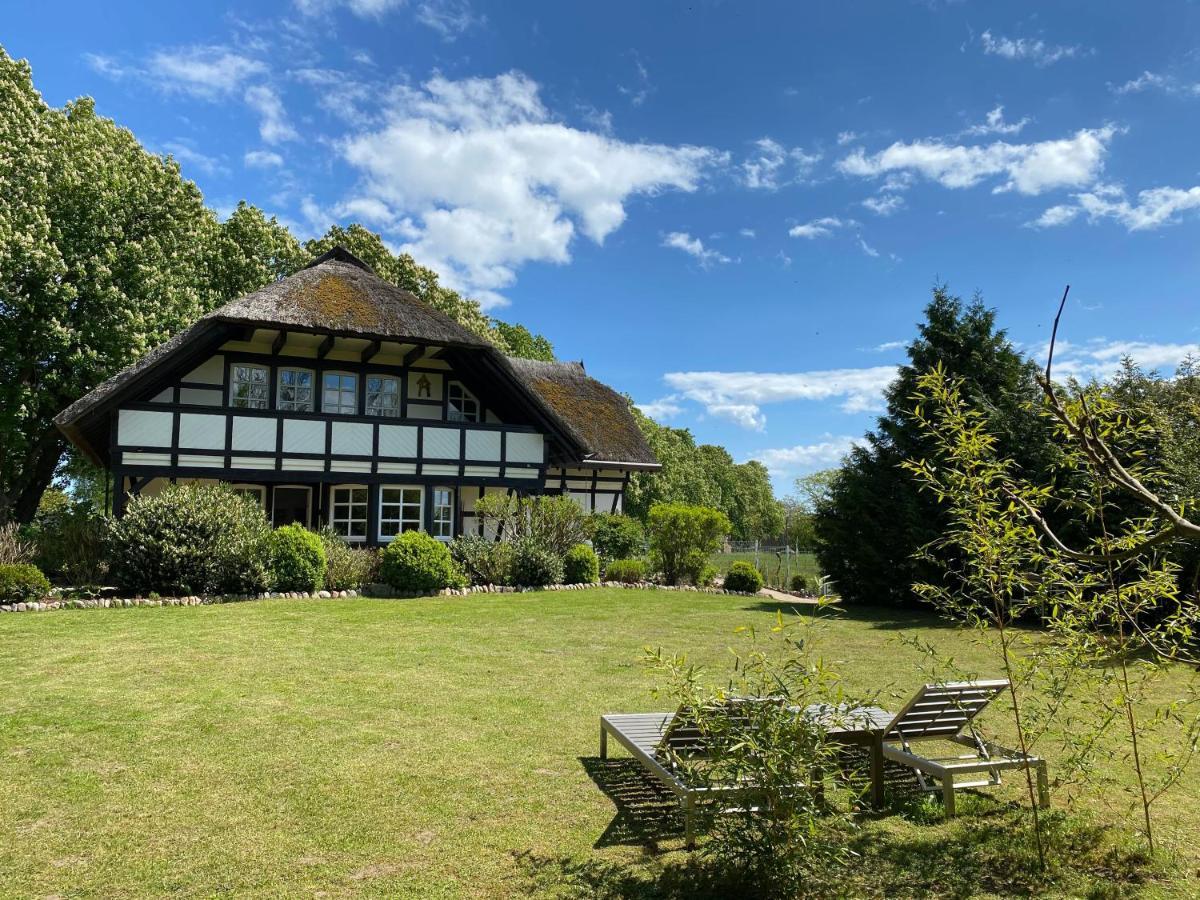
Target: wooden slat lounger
[[651, 738], [947, 712]]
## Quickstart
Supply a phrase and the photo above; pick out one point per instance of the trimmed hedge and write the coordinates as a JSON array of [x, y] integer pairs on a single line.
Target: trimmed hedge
[[581, 565], [535, 566], [414, 561], [627, 571], [22, 583], [743, 577], [192, 539], [297, 559]]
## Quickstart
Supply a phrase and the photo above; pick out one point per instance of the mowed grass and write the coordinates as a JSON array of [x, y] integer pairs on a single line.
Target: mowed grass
[[442, 747]]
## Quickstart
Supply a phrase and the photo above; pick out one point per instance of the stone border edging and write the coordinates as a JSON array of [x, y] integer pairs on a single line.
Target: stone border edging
[[377, 591]]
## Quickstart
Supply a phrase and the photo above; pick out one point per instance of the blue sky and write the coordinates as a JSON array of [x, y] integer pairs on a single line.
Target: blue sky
[[734, 212]]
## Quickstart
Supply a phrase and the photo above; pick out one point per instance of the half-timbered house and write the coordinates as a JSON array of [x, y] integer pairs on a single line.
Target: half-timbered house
[[334, 397]]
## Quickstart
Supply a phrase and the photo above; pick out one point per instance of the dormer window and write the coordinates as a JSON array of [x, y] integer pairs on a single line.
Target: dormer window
[[339, 393], [383, 396], [461, 404], [249, 387], [295, 390]]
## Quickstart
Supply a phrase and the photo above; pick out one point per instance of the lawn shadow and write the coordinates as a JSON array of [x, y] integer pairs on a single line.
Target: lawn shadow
[[885, 618], [647, 813]]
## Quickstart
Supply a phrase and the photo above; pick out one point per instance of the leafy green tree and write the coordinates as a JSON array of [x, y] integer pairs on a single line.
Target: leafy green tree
[[102, 256], [754, 511], [875, 518], [250, 251], [683, 537], [682, 478]]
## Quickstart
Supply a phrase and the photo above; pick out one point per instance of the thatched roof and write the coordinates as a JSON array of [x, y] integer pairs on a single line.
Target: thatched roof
[[338, 294], [595, 415]]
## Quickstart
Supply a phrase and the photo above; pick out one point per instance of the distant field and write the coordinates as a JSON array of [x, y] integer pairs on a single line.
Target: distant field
[[775, 568]]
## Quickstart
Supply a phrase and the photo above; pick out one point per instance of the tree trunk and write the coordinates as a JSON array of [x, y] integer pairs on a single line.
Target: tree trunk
[[23, 497]]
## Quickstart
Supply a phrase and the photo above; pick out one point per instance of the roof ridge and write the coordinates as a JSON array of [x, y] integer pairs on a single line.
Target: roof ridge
[[338, 253]]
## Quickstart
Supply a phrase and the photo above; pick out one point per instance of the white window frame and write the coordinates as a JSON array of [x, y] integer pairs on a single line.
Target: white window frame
[[382, 412], [249, 402], [433, 524], [457, 415], [293, 404], [258, 489], [384, 520], [340, 411], [299, 487], [335, 521]]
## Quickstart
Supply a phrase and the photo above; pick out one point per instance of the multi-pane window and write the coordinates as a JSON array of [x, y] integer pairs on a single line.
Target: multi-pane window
[[254, 491], [383, 396], [295, 391], [249, 386], [442, 526], [349, 512], [462, 406], [339, 393], [399, 510]]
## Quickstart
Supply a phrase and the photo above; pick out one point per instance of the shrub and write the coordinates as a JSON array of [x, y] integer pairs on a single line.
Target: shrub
[[799, 584], [534, 565], [482, 560], [581, 566], [626, 571], [22, 582], [616, 536], [742, 576], [683, 537], [192, 539], [346, 567], [14, 549], [297, 559], [414, 561], [553, 521]]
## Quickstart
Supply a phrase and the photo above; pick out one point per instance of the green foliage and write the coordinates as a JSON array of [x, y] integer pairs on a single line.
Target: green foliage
[[520, 341], [71, 538], [552, 521], [483, 560], [346, 567], [788, 839], [297, 559], [873, 518], [15, 548], [415, 561], [534, 564], [626, 571], [191, 539], [616, 536], [581, 565], [22, 583], [683, 537], [742, 576], [799, 583]]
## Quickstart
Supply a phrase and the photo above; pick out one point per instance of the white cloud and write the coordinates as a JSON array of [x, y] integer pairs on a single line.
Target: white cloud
[[819, 228], [803, 457], [273, 124], [663, 408], [1036, 51], [884, 204], [887, 346], [365, 9], [262, 159], [1101, 358], [105, 65], [637, 94], [994, 123], [772, 165], [492, 181], [693, 246], [740, 396], [867, 248], [449, 18], [1148, 80], [188, 156], [847, 137], [366, 209], [748, 233], [1027, 168], [1152, 209], [208, 72]]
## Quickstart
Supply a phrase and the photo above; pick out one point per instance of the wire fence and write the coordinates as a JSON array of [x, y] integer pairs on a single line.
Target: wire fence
[[777, 562]]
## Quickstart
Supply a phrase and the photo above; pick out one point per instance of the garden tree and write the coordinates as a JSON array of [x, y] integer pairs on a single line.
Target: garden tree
[[402, 270], [102, 256], [874, 518], [680, 480], [249, 251], [755, 513], [799, 509]]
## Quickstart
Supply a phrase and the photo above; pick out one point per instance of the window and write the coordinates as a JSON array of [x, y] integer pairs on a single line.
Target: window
[[443, 514], [295, 391], [399, 511], [249, 387], [340, 393], [348, 509], [256, 492], [463, 407], [383, 396]]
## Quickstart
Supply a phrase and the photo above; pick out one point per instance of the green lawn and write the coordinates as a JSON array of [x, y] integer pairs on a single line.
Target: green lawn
[[436, 747]]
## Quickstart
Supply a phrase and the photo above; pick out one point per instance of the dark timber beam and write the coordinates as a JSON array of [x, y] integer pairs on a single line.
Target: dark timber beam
[[326, 346], [370, 350], [413, 355], [277, 344], [244, 333]]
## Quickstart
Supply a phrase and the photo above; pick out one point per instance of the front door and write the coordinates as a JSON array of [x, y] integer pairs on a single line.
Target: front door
[[291, 505]]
